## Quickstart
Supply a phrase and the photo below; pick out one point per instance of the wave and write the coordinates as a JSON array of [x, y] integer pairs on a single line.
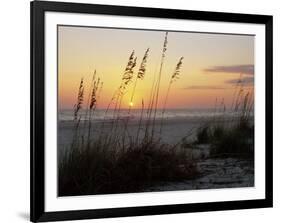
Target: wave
[[135, 114]]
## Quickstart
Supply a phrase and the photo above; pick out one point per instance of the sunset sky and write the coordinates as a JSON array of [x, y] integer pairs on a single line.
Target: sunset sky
[[212, 63]]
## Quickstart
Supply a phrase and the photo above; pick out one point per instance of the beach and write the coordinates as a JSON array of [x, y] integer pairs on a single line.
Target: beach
[[173, 130], [175, 125], [215, 172], [153, 121]]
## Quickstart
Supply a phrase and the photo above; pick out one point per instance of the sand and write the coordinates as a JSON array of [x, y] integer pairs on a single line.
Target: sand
[[216, 172], [173, 130]]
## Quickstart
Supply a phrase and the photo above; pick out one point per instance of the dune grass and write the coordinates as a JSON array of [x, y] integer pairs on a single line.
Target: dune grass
[[114, 163], [231, 137], [98, 170]]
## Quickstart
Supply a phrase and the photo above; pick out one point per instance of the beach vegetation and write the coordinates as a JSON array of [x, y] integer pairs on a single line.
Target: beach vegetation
[[114, 162], [231, 136]]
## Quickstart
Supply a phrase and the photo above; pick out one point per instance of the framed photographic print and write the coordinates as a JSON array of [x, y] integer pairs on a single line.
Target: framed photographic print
[[143, 111]]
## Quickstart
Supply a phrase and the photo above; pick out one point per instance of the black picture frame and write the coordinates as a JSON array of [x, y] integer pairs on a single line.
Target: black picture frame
[[37, 160]]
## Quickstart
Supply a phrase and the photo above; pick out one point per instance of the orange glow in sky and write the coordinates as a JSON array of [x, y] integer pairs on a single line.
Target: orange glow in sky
[[211, 65]]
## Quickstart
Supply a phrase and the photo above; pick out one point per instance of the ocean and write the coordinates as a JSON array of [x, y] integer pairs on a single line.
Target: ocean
[[135, 114]]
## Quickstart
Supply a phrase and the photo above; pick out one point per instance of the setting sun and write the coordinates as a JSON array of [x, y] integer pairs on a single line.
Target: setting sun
[[131, 104]]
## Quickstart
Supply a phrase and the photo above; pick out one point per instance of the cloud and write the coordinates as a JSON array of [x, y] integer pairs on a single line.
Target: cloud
[[245, 81], [241, 69], [203, 87]]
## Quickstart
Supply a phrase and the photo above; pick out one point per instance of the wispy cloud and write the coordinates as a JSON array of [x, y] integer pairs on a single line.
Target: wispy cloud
[[203, 87], [245, 81], [241, 69]]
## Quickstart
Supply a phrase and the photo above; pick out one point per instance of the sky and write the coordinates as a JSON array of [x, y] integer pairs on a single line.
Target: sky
[[211, 66]]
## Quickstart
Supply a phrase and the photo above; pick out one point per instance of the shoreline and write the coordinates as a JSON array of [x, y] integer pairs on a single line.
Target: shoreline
[[213, 172], [173, 129]]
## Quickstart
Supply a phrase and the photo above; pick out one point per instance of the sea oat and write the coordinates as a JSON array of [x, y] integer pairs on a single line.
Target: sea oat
[[165, 44], [175, 75], [157, 85], [94, 94], [141, 73], [142, 68], [79, 103], [128, 73]]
